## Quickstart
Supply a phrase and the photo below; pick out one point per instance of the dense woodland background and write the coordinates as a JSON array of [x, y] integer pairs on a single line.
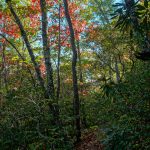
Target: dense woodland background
[[70, 69]]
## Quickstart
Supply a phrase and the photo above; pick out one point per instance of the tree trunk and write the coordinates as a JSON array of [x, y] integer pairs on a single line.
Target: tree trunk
[[74, 73], [58, 59], [83, 120], [30, 51], [53, 106], [46, 51]]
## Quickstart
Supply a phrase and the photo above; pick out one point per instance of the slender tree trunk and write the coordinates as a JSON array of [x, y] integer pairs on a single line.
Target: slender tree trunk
[[58, 59], [53, 106], [74, 73], [30, 51], [84, 120], [46, 50], [80, 66]]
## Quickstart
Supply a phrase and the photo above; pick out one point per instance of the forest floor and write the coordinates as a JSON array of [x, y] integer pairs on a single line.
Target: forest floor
[[89, 141]]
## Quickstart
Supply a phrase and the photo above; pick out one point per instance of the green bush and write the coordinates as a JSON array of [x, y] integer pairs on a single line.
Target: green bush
[[124, 111]]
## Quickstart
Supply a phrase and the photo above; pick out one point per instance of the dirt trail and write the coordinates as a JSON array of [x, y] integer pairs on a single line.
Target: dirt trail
[[89, 142]]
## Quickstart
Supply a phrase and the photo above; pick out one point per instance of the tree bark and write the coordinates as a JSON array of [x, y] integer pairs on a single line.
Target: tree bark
[[58, 59], [46, 51], [83, 120], [53, 105], [74, 73]]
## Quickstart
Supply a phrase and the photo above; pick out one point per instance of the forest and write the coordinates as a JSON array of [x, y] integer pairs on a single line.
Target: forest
[[74, 75]]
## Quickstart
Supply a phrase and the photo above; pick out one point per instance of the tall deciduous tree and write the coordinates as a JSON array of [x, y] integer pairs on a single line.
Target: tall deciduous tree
[[49, 72], [46, 50], [26, 40], [74, 73], [59, 52]]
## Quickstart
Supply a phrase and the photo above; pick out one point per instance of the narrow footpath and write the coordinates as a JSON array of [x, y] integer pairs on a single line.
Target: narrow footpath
[[89, 142]]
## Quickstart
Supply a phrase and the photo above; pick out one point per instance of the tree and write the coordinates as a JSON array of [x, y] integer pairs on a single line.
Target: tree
[[46, 51], [30, 51], [49, 90], [74, 73]]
